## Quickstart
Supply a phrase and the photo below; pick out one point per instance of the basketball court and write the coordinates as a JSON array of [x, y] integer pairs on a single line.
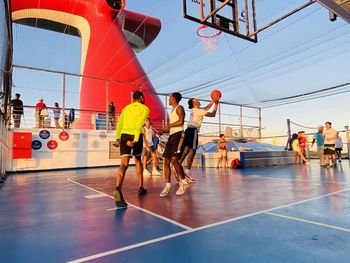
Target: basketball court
[[291, 213]]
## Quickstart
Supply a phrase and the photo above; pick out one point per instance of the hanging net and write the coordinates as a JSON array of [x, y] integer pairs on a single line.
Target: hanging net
[[209, 38]]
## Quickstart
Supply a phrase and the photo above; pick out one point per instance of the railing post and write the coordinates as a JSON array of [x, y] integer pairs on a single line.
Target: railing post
[[240, 121], [166, 111], [347, 140], [260, 124], [107, 108], [63, 101], [219, 118]]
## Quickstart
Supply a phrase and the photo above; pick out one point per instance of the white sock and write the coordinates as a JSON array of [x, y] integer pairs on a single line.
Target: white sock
[[168, 185], [184, 181]]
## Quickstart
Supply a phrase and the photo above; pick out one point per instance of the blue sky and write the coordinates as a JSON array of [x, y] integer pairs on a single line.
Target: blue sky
[[303, 53]]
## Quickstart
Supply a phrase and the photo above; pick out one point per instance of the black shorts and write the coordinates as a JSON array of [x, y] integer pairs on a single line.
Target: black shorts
[[191, 138], [136, 150], [329, 149], [174, 144]]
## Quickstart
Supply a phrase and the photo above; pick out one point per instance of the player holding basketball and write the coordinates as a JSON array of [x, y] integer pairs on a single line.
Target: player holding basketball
[[130, 139], [173, 146], [193, 126]]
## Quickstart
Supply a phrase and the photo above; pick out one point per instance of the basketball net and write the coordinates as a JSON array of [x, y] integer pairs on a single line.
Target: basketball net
[[209, 37]]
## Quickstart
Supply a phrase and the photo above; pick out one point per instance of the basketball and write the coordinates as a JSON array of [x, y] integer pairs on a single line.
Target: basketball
[[215, 95]]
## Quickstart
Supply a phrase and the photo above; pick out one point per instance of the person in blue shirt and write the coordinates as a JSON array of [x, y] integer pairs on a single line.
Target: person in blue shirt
[[318, 138]]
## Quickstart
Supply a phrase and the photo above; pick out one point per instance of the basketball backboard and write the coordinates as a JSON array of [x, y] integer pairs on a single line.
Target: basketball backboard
[[235, 17]]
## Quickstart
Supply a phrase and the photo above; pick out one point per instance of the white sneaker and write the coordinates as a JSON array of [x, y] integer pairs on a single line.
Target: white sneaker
[[146, 172], [166, 191], [182, 188], [155, 172]]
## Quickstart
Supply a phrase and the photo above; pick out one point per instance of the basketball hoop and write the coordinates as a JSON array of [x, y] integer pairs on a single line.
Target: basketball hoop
[[209, 38]]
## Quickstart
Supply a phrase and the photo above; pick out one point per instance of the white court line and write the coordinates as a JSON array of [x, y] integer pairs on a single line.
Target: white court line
[[96, 196], [309, 222], [151, 241], [133, 206], [295, 180]]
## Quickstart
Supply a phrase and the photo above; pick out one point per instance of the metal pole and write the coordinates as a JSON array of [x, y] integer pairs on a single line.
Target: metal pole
[[240, 121], [219, 118], [246, 9], [63, 101], [201, 9], [166, 111], [215, 11], [289, 133], [347, 140], [260, 124], [107, 110], [281, 18]]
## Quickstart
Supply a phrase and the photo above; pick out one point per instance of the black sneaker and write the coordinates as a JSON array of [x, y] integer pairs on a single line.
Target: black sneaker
[[119, 199], [142, 191]]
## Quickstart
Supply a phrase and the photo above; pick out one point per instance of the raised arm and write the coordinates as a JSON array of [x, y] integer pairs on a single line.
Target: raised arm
[[213, 113]]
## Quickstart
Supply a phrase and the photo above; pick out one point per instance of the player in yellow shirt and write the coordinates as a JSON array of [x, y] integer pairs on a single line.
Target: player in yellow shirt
[[130, 139]]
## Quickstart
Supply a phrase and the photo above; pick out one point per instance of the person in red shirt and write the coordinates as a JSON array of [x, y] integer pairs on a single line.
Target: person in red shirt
[[38, 113], [302, 142]]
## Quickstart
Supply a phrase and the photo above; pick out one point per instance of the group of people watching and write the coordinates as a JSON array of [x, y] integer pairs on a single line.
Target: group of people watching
[[41, 112], [329, 145]]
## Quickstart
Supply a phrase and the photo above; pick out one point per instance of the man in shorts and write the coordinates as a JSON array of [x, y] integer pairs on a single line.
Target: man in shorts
[[318, 138], [193, 126], [173, 146], [329, 136], [130, 139]]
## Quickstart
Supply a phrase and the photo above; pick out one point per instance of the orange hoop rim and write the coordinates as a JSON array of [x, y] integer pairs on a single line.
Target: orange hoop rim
[[210, 36]]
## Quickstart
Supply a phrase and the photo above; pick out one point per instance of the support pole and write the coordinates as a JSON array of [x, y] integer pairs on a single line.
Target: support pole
[[260, 135], [289, 134], [63, 101], [107, 104], [166, 111], [241, 122], [347, 140], [219, 118]]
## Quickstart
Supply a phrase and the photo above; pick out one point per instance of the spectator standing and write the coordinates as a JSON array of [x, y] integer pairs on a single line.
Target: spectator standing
[[222, 151], [39, 116], [111, 116], [302, 142], [17, 110], [329, 136], [338, 146], [71, 117], [318, 138], [57, 114]]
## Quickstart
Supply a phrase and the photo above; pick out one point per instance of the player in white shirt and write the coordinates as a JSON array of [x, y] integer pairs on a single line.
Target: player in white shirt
[[193, 126]]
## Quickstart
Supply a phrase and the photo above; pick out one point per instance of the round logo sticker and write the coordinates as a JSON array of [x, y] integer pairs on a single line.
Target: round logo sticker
[[44, 134], [36, 145], [64, 136], [52, 144]]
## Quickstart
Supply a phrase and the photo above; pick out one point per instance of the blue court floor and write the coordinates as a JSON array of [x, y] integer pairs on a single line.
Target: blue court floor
[[293, 213]]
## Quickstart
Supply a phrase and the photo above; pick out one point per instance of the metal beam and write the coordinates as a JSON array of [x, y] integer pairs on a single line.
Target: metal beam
[[336, 8], [281, 18]]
